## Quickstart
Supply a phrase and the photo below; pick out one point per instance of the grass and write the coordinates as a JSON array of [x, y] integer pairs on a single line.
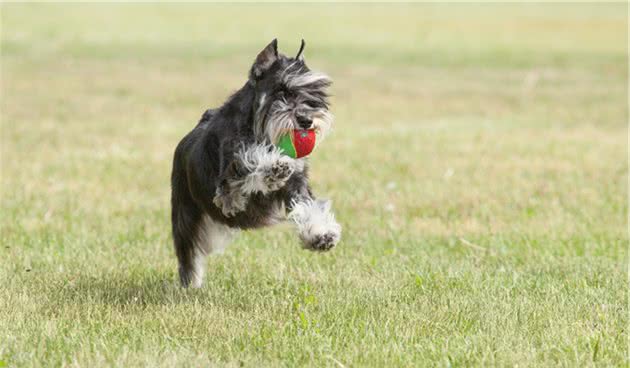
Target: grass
[[478, 166]]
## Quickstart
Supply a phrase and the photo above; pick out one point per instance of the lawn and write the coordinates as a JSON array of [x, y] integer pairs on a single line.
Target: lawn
[[479, 167]]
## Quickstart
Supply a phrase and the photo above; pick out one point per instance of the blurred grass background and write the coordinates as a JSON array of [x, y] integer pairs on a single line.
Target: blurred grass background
[[478, 166]]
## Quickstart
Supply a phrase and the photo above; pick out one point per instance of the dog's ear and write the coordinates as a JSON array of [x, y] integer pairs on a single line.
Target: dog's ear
[[300, 55], [265, 59]]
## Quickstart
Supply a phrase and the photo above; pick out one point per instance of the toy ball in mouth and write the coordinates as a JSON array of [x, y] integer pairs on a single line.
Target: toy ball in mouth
[[298, 143]]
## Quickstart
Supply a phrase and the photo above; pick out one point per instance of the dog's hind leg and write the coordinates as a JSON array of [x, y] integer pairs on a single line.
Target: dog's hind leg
[[196, 236], [186, 224]]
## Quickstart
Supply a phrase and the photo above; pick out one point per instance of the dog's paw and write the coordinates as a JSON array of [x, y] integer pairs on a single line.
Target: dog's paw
[[230, 204], [316, 224], [322, 242], [278, 173]]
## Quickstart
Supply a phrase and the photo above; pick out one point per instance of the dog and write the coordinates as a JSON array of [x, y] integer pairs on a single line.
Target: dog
[[228, 175]]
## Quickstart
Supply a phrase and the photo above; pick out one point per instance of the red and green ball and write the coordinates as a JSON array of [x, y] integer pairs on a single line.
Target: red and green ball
[[298, 143]]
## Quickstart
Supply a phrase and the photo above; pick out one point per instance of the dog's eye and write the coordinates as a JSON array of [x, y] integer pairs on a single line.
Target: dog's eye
[[313, 105], [286, 93]]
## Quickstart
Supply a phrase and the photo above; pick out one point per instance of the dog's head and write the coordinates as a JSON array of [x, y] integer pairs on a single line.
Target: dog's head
[[288, 95]]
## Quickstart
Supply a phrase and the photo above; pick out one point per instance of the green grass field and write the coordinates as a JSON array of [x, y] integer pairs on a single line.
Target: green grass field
[[478, 165]]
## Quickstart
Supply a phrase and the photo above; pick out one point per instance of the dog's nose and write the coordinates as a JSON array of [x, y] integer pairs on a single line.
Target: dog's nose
[[304, 123]]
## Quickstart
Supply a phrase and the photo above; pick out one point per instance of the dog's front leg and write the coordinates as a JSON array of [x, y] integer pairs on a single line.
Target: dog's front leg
[[257, 168], [316, 225]]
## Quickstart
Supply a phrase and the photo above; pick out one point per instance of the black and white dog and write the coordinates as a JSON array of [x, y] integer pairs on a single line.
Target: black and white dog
[[229, 175]]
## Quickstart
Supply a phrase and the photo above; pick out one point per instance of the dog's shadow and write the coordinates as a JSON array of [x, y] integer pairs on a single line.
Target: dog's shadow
[[141, 289], [125, 290]]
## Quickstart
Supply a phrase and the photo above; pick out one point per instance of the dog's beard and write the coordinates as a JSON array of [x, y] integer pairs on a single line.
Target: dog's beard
[[275, 123]]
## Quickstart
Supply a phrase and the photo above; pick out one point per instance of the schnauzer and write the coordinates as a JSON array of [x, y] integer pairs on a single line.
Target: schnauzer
[[229, 175]]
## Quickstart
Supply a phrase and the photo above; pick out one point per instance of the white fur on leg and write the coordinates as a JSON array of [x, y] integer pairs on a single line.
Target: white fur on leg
[[199, 268], [268, 169], [316, 224], [257, 159], [212, 237]]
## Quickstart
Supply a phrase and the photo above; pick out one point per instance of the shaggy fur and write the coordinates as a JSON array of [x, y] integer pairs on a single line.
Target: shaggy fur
[[229, 175]]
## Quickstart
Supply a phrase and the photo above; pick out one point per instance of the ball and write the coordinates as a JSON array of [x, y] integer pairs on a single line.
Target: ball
[[298, 143]]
